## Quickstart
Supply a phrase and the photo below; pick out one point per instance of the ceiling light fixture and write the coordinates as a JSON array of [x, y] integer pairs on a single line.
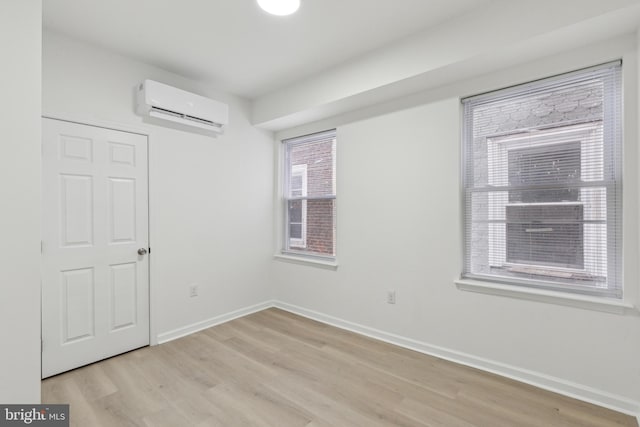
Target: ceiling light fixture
[[279, 7]]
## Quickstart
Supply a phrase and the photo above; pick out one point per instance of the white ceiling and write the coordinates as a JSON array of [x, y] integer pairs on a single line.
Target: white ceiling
[[234, 46]]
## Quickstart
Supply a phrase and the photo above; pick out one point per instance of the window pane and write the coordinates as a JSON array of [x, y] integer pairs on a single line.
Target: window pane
[[559, 164], [545, 235], [295, 232], [296, 184], [319, 159], [312, 225], [295, 211], [321, 226]]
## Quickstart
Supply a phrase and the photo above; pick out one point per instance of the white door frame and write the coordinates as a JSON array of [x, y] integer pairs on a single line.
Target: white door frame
[[140, 130]]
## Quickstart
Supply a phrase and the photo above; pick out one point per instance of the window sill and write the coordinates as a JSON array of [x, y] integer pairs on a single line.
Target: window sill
[[302, 260], [607, 305]]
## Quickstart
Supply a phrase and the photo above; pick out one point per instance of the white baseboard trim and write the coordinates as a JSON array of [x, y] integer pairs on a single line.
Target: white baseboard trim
[[554, 384], [223, 318]]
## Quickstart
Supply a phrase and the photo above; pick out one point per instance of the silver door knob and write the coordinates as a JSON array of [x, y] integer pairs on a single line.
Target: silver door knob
[[142, 251]]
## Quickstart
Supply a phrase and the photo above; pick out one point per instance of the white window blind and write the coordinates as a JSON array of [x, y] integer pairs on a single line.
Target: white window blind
[[310, 194], [542, 183]]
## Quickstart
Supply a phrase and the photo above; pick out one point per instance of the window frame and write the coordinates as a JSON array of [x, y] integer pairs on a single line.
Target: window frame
[[301, 252], [612, 140]]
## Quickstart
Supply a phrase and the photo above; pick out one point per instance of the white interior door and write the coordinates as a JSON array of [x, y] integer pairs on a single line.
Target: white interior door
[[95, 284]]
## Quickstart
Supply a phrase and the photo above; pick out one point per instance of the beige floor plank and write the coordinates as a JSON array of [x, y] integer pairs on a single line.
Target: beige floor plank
[[65, 391], [276, 369], [431, 415]]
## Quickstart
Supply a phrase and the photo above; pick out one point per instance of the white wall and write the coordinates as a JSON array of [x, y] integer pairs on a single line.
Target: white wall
[[399, 227], [20, 44], [210, 198]]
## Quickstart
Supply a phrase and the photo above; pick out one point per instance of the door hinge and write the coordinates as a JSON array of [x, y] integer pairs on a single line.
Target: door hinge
[[41, 246], [149, 250]]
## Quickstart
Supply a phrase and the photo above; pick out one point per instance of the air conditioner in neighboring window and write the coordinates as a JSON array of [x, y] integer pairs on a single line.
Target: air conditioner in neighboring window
[[169, 103], [545, 235]]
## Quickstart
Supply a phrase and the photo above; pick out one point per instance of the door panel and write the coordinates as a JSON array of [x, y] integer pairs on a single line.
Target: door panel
[[76, 148], [122, 210], [78, 305], [76, 215], [95, 286], [123, 295]]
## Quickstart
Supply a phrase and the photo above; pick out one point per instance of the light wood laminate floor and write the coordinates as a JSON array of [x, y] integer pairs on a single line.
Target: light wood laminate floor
[[277, 369]]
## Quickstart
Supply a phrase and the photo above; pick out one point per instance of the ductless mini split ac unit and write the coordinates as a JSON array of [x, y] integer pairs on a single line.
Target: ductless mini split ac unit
[[169, 103]]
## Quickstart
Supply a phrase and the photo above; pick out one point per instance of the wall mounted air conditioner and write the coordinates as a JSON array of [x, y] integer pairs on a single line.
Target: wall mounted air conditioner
[[169, 103]]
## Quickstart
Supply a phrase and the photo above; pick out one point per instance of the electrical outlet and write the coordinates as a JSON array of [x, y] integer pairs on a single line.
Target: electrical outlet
[[391, 296], [193, 290]]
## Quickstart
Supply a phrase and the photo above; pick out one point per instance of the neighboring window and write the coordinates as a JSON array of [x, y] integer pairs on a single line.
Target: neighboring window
[[310, 194], [559, 240], [542, 178], [298, 207]]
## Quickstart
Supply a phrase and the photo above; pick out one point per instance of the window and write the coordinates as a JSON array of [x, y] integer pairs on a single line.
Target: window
[[542, 183], [310, 195]]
